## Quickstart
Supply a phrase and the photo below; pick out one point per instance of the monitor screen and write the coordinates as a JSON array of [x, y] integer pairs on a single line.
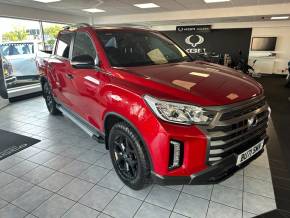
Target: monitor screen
[[263, 43]]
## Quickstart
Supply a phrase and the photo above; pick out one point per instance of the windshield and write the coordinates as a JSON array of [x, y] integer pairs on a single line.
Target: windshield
[[10, 49], [130, 49]]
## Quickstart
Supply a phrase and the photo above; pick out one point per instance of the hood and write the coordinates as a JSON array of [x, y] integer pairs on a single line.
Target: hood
[[216, 84]]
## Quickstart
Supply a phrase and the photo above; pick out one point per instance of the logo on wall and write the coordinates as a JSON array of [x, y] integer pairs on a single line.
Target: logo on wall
[[198, 28], [194, 40]]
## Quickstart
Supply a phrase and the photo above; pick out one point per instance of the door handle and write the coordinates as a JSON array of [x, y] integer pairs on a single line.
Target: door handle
[[69, 76]]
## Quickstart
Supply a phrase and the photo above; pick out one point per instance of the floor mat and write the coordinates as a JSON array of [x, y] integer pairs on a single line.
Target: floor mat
[[11, 143]]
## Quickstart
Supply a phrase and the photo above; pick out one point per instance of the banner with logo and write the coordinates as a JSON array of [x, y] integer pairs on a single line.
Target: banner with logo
[[235, 42], [198, 28]]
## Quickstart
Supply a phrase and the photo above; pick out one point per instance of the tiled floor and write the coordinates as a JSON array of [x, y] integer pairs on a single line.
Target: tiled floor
[[69, 175]]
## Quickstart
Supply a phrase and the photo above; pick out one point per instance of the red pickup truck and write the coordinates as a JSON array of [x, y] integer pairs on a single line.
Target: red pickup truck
[[163, 117]]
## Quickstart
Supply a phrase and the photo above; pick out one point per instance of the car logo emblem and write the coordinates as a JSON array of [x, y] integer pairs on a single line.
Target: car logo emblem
[[252, 122], [199, 41]]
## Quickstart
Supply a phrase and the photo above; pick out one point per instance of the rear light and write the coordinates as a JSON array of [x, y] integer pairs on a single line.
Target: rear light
[[175, 154]]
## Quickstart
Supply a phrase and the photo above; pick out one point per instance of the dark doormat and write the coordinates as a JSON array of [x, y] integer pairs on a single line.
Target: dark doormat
[[11, 143]]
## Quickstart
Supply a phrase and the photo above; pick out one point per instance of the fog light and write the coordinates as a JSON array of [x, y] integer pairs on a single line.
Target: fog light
[[176, 154]]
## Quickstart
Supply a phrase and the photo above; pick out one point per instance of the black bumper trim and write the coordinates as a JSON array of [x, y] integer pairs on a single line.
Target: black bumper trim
[[212, 175]]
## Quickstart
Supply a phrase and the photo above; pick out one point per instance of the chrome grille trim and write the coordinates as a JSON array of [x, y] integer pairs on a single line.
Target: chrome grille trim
[[230, 133], [241, 118]]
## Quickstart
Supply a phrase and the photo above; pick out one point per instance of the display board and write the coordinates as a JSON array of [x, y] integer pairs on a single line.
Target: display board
[[235, 42]]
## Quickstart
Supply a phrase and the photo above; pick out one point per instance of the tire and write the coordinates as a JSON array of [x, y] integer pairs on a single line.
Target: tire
[[129, 156], [49, 100]]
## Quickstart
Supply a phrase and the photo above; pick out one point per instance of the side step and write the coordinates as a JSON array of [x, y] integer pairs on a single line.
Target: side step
[[84, 125]]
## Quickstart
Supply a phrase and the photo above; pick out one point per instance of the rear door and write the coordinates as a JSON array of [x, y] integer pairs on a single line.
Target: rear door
[[59, 69]]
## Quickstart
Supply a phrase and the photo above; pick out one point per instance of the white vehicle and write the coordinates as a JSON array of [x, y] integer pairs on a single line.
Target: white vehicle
[[21, 55]]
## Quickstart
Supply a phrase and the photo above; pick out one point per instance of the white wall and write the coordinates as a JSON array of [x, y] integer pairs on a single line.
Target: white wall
[[282, 45]]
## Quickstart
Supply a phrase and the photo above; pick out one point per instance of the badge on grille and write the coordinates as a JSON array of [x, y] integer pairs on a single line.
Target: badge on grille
[[252, 121]]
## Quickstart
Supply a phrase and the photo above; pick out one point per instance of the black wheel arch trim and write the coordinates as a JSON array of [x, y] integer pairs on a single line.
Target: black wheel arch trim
[[136, 130]]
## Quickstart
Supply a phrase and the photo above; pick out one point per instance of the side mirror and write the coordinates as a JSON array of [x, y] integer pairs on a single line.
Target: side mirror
[[83, 62]]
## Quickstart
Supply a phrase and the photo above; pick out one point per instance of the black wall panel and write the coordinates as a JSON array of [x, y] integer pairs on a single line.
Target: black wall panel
[[219, 41]]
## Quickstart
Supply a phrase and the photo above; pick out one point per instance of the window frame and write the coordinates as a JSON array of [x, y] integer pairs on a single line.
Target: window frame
[[92, 41], [70, 48]]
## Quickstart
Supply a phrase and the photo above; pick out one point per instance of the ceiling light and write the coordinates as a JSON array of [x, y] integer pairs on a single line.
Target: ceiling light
[[215, 1], [94, 10], [147, 5], [47, 1], [280, 18]]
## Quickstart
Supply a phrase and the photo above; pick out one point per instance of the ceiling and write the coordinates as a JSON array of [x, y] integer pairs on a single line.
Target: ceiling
[[201, 21], [125, 7]]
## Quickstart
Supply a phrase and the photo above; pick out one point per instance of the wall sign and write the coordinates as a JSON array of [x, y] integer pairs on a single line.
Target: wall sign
[[199, 28], [219, 41]]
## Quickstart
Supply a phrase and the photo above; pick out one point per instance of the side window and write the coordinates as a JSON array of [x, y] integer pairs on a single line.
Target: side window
[[63, 45], [83, 45]]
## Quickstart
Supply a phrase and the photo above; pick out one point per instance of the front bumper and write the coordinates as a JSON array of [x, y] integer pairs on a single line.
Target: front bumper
[[212, 175]]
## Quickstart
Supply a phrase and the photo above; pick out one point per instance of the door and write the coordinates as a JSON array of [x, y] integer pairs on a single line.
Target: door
[[60, 70], [86, 82]]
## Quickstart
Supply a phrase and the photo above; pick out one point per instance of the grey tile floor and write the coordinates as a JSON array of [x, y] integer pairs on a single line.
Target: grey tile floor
[[69, 175]]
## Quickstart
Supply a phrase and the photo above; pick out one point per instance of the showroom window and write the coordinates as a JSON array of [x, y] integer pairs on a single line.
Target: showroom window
[[21, 43], [50, 32]]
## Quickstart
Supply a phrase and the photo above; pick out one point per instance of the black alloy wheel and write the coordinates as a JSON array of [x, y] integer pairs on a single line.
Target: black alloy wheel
[[125, 157], [50, 102], [128, 156]]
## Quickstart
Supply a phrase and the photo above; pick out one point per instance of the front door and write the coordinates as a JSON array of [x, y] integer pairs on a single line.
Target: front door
[[86, 82]]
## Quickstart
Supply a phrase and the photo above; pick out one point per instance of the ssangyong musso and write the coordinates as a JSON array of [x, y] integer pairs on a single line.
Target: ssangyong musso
[[164, 117]]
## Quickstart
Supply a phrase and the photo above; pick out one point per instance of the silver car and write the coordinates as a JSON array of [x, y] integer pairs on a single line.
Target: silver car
[[9, 77], [21, 55]]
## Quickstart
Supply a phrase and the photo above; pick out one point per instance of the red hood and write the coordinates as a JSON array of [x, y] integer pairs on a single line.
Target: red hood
[[215, 84]]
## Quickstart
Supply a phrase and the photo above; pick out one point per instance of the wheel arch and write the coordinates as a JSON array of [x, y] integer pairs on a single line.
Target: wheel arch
[[111, 118]]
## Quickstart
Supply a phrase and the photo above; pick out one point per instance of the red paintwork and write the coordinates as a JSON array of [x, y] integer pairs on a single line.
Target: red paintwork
[[120, 90]]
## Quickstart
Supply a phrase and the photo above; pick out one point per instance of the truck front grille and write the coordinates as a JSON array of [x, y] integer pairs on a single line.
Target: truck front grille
[[237, 128]]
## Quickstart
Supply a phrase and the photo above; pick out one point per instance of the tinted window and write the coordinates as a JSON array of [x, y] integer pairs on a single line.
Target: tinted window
[[83, 46], [63, 45], [130, 48]]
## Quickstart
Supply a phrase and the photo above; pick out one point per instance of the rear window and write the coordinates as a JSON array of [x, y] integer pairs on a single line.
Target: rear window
[[63, 44], [10, 49]]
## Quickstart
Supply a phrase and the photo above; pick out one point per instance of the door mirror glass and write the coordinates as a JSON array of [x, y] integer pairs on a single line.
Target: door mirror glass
[[83, 62]]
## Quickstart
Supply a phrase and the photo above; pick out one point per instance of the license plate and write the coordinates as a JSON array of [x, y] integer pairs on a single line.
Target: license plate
[[250, 153]]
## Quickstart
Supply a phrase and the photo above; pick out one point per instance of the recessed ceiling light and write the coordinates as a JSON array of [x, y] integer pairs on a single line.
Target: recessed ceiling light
[[94, 10], [47, 1], [147, 5], [215, 1], [280, 18]]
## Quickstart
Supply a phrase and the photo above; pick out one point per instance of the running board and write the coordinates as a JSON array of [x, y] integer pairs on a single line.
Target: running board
[[80, 122]]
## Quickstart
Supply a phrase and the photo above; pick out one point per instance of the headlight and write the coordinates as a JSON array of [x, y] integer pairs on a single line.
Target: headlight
[[178, 113]]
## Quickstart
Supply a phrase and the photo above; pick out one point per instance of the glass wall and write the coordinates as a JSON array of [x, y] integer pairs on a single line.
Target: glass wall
[[21, 41], [50, 32]]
